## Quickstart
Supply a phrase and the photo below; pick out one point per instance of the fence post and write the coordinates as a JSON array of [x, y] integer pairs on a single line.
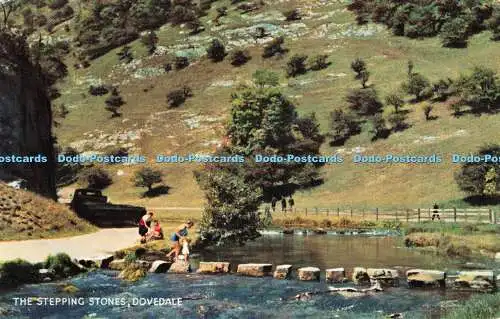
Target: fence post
[[418, 215], [396, 215], [454, 214], [376, 214], [429, 214], [494, 216], [407, 215], [351, 213], [338, 212], [306, 211]]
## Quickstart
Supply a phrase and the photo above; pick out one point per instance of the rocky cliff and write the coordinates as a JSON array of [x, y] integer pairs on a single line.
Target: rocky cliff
[[25, 117]]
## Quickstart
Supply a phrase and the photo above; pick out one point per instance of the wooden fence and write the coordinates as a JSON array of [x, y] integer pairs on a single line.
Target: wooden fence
[[458, 215]]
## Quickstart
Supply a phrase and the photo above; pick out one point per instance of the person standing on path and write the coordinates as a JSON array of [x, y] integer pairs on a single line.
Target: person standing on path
[[145, 225], [291, 203], [283, 204], [435, 212]]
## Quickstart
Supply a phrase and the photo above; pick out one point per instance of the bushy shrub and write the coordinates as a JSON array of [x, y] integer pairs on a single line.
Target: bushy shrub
[[318, 62], [125, 55], [398, 121], [177, 97], [147, 177], [61, 265], [342, 126], [364, 101], [274, 48], [472, 176], [379, 128], [427, 111], [216, 51], [98, 90], [454, 33], [150, 40], [240, 57], [417, 85], [96, 177], [263, 78], [17, 272], [181, 62], [57, 4], [296, 65], [114, 102], [292, 15], [395, 100], [358, 66]]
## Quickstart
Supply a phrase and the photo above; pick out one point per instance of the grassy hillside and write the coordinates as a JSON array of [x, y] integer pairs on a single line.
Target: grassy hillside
[[148, 127], [24, 215]]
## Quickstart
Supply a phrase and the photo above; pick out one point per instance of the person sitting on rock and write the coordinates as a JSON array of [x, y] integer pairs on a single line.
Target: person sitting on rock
[[185, 241], [145, 225], [156, 232]]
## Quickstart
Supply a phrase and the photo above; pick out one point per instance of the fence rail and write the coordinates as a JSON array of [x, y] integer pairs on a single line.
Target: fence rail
[[458, 215]]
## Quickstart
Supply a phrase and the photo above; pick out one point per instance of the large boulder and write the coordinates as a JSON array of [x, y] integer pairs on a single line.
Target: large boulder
[[180, 267], [308, 273], [477, 280], [386, 277], [97, 262], [360, 276], [335, 275], [117, 264], [426, 278], [216, 267], [255, 270], [282, 272], [159, 266]]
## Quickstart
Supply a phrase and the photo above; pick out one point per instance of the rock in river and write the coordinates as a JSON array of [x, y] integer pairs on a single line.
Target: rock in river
[[282, 272], [214, 267], [308, 273], [423, 277], [386, 277], [335, 275], [180, 267], [479, 280], [360, 276], [159, 266], [255, 270]]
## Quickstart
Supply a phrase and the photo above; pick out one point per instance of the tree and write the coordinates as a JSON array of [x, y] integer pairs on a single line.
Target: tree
[[240, 57], [265, 78], [427, 111], [480, 90], [97, 178], [318, 62], [147, 177], [114, 102], [358, 66], [216, 51], [493, 24], [342, 126], [416, 85], [472, 177], [364, 76], [296, 65], [275, 47], [379, 128], [181, 62], [490, 182], [364, 101], [150, 40], [395, 100], [454, 33]]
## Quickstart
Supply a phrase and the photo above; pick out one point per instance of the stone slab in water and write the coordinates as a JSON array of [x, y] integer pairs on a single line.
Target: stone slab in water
[[97, 262], [308, 273], [335, 275], [425, 277], [386, 277], [159, 266], [255, 270], [216, 267], [479, 280], [360, 276], [180, 267], [117, 264], [282, 272]]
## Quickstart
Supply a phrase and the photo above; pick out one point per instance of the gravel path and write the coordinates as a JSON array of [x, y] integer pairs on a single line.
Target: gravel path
[[100, 243]]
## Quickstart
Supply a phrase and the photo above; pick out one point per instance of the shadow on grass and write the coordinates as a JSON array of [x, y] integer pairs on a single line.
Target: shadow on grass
[[478, 200], [157, 191]]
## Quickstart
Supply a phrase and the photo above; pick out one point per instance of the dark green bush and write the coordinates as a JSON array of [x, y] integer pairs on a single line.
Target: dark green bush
[[61, 265], [17, 272]]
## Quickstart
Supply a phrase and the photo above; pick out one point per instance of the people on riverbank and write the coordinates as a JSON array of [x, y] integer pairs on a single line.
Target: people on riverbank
[[156, 232], [185, 242], [181, 231], [145, 225]]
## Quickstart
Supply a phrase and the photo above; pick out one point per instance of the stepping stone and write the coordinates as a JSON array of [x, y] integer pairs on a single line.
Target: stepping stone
[[159, 266], [308, 273], [335, 275], [97, 262], [478, 280], [360, 276], [255, 270], [386, 277], [426, 278], [282, 272], [117, 264], [214, 267], [180, 267]]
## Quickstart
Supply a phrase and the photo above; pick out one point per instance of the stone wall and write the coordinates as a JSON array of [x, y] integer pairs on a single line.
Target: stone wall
[[25, 117]]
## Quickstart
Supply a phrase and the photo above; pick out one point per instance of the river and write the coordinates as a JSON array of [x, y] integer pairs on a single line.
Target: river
[[231, 296]]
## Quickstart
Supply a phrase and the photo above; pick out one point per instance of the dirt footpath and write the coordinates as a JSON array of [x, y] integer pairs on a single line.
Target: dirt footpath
[[100, 243]]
